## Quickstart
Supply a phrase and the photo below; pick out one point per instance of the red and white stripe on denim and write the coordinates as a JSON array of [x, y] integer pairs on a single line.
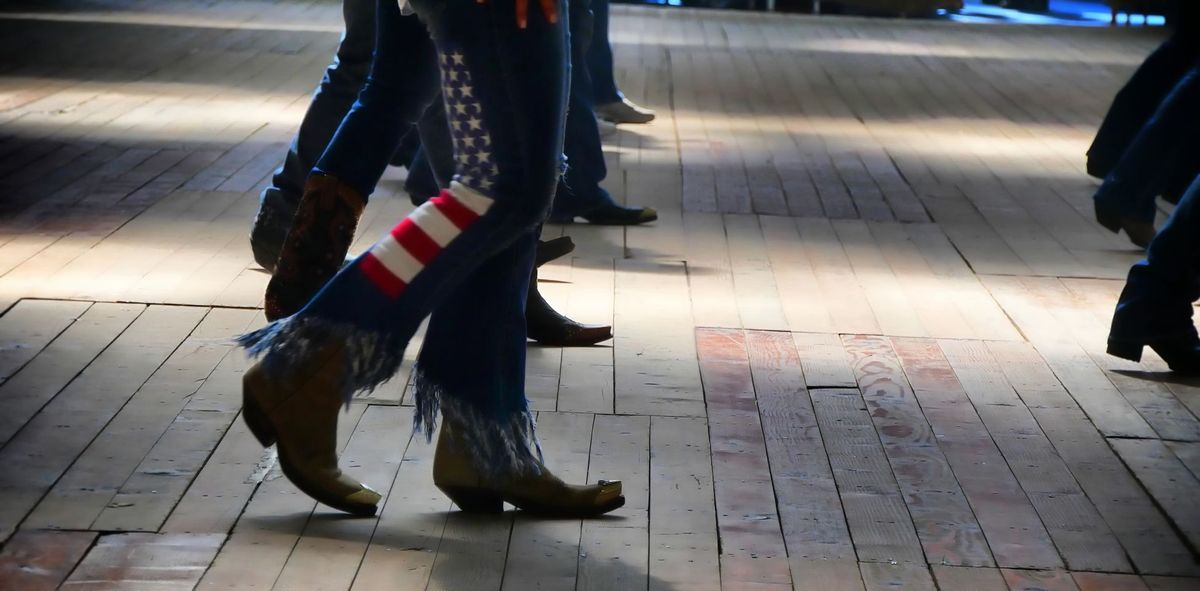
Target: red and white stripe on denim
[[400, 255]]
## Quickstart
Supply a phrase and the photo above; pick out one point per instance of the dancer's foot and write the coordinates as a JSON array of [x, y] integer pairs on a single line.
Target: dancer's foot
[[1155, 311], [554, 248], [610, 214], [624, 111], [1181, 353], [316, 244], [1139, 232], [270, 229], [541, 494], [545, 325], [299, 416]]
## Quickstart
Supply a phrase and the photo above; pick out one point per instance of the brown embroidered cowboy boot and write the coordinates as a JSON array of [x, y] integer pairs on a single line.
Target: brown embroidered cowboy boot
[[316, 244]]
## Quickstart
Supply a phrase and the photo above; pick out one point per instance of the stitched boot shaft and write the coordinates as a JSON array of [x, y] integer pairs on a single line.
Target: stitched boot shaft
[[315, 246]]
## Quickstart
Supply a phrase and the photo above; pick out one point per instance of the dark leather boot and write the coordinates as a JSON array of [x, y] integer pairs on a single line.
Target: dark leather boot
[[546, 326], [1156, 312]]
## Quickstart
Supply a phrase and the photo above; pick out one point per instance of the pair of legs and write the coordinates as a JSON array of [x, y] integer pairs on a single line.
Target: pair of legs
[[331, 102], [1135, 151], [1137, 101], [608, 101], [1158, 153], [463, 258], [1155, 308]]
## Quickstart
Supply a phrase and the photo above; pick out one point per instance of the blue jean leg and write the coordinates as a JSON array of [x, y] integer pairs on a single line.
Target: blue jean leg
[[1137, 101], [330, 103], [1157, 152], [580, 190], [1157, 300], [505, 90], [600, 58], [403, 82]]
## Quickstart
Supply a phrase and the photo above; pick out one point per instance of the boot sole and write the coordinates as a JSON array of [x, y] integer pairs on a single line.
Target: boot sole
[[480, 500]]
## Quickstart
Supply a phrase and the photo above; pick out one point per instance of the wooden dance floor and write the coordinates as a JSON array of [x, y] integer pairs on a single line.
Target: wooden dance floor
[[861, 349]]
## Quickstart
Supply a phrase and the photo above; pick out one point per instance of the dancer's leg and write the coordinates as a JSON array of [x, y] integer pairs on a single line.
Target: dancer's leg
[[1136, 102], [505, 89], [403, 82], [330, 103], [599, 60], [579, 192], [1155, 308], [1156, 153]]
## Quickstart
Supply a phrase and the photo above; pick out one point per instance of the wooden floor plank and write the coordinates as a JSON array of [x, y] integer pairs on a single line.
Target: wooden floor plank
[[29, 326], [219, 492], [810, 512], [257, 550], [876, 515], [40, 560], [1079, 532], [753, 551], [472, 552], [331, 548], [406, 540], [1108, 582], [614, 552], [843, 293], [754, 286], [130, 449], [1173, 488], [543, 554], [949, 530], [1142, 530], [1039, 580], [683, 526], [961, 578], [1170, 583], [171, 561], [936, 176], [654, 349], [25, 393], [879, 576], [34, 459], [587, 374]]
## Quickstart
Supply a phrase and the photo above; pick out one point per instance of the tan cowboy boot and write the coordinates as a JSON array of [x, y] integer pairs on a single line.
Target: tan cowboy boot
[[299, 415], [539, 494]]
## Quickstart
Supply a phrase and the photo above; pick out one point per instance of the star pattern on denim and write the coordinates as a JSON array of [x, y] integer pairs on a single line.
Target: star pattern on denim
[[475, 165]]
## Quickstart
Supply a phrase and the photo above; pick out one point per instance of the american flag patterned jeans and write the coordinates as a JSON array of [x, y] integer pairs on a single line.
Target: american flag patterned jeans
[[465, 256]]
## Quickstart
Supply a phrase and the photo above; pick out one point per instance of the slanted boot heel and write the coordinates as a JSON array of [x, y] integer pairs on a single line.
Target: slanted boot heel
[[255, 419], [1127, 351]]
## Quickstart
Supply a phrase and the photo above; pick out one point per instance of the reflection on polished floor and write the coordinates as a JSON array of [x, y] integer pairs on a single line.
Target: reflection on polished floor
[[862, 348]]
